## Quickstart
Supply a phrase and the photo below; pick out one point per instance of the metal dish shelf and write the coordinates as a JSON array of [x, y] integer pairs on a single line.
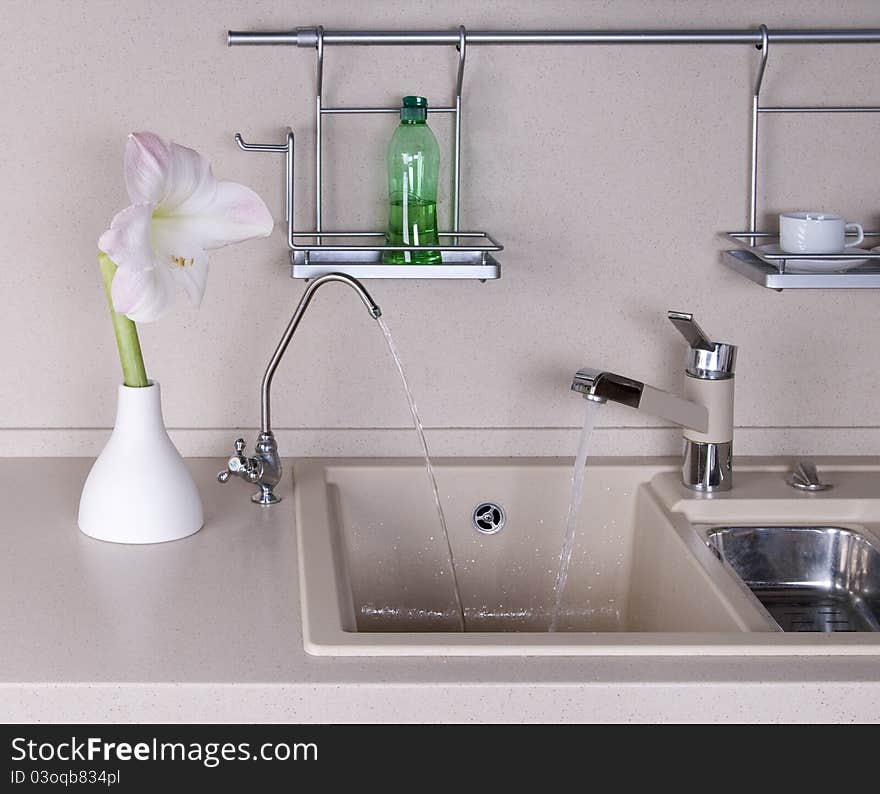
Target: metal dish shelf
[[457, 261], [469, 255], [769, 269]]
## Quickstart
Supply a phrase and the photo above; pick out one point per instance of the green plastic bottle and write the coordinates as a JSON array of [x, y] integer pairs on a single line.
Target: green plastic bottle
[[413, 171]]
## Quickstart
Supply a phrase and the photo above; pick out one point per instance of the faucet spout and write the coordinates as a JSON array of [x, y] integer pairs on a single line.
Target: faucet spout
[[372, 308], [601, 386]]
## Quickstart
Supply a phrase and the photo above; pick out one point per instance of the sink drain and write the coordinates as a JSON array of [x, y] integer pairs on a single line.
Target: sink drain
[[488, 518]]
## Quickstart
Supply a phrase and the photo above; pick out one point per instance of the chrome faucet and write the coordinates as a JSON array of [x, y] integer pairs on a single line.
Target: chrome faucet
[[705, 412], [264, 468]]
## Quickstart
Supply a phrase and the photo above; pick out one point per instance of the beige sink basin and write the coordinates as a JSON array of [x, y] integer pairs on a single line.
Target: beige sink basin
[[375, 577]]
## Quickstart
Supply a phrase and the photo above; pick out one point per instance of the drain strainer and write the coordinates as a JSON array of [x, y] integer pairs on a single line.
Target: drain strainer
[[488, 518]]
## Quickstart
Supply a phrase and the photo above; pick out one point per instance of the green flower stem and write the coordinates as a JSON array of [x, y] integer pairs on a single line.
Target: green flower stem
[[133, 371]]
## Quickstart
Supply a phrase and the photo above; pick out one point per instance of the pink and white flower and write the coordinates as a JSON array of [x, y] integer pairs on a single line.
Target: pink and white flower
[[179, 212]]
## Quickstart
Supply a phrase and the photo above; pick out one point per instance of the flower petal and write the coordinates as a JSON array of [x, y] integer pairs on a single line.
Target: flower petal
[[236, 214], [194, 277], [143, 296], [147, 163], [191, 184], [128, 241], [240, 214]]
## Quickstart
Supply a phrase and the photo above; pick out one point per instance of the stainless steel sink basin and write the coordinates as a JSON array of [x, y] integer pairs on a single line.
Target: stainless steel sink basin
[[808, 578]]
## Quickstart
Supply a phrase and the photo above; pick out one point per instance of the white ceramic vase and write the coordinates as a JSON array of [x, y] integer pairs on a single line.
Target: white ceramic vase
[[140, 490]]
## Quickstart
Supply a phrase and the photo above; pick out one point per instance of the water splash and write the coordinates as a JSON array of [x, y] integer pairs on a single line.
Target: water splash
[[417, 422], [396, 617], [574, 506]]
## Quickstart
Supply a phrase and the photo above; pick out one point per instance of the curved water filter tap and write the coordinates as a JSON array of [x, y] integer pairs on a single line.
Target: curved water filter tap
[[264, 468]]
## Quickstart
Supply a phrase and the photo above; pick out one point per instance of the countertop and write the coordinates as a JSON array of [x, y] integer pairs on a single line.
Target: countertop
[[208, 629]]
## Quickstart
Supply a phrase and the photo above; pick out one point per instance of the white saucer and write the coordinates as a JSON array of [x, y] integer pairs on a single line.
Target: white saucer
[[795, 265]]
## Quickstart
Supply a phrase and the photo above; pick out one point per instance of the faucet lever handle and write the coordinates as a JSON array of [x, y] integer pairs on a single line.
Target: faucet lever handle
[[696, 337], [238, 464]]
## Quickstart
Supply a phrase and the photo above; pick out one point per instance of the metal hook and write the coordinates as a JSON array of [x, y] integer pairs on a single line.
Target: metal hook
[[456, 171], [764, 47], [461, 47], [260, 147], [287, 149], [319, 45]]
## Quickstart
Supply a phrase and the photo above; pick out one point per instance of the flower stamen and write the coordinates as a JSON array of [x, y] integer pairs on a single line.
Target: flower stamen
[[182, 261]]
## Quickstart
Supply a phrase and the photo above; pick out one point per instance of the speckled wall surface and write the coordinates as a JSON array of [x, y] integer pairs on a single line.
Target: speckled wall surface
[[606, 172]]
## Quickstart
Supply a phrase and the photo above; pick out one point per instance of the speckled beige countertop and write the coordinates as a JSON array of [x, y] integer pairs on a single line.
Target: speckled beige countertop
[[207, 629]]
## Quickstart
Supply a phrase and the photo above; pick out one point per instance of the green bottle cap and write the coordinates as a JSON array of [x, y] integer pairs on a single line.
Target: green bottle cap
[[414, 108]]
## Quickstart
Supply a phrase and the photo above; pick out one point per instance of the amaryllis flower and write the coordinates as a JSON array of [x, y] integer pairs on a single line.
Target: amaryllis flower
[[179, 212]]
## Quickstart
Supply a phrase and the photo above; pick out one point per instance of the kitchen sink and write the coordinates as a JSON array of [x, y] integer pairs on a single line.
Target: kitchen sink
[[809, 578], [375, 578], [768, 571]]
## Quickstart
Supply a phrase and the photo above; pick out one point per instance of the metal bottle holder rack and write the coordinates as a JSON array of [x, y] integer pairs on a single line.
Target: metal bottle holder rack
[[769, 269], [474, 259], [469, 257]]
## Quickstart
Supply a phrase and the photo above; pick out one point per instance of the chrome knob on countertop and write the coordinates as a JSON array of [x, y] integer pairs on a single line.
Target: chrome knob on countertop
[[805, 477]]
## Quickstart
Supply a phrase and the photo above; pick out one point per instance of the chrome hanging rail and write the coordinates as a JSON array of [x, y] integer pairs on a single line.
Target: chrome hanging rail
[[308, 37]]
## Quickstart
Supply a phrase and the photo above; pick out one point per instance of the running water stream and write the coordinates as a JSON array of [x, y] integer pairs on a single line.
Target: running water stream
[[417, 422], [574, 506]]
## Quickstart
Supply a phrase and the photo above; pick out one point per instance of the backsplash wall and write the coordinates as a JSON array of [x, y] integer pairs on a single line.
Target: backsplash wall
[[606, 173]]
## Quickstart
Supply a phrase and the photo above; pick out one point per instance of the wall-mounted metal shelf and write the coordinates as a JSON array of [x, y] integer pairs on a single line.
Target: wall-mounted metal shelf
[[360, 262], [475, 259], [760, 259], [756, 269], [467, 256]]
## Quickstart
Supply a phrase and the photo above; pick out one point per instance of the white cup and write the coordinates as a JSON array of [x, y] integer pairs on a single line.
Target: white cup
[[816, 233]]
